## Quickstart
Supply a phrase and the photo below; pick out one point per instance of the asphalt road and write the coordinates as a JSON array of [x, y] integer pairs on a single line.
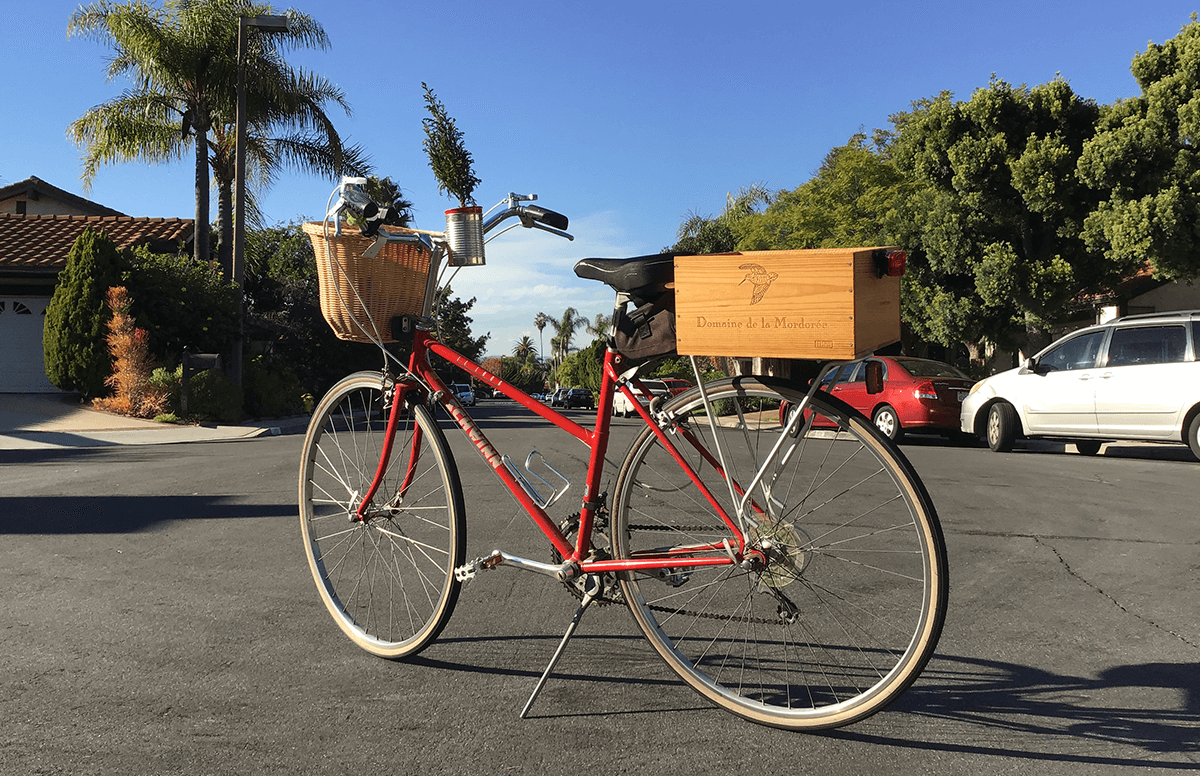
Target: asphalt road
[[159, 618]]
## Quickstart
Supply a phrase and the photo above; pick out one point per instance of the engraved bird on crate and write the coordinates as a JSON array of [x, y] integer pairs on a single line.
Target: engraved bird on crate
[[760, 279]]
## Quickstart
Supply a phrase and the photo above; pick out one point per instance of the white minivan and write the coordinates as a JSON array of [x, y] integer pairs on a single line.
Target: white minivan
[[1135, 377]]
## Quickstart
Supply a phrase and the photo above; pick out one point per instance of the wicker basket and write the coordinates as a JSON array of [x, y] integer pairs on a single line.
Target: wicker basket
[[360, 296]]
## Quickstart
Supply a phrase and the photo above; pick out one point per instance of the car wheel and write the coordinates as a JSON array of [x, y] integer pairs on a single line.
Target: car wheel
[[1193, 435], [1088, 447], [1001, 427], [886, 421]]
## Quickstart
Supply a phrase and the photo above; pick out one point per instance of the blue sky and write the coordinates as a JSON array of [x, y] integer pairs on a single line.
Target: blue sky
[[626, 116]]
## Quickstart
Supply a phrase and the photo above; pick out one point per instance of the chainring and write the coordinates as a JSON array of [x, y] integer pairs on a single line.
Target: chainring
[[610, 589]]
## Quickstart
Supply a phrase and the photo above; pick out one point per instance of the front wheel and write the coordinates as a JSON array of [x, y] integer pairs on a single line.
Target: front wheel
[[1193, 436], [387, 578], [837, 599], [1002, 425]]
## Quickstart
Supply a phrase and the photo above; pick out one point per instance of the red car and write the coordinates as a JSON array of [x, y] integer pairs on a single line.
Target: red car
[[918, 395]]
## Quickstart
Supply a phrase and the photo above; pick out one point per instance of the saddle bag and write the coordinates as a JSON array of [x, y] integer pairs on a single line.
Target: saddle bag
[[647, 332]]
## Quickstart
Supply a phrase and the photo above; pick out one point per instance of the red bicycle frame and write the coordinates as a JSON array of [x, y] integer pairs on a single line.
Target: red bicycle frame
[[596, 439]]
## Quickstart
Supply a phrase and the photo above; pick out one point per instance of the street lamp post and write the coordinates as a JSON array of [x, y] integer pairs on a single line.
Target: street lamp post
[[266, 24]]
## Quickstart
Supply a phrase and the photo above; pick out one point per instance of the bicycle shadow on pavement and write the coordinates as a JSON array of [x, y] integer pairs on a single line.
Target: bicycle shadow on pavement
[[1029, 713], [1139, 714]]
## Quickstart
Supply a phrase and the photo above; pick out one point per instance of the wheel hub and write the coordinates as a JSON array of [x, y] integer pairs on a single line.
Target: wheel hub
[[783, 546]]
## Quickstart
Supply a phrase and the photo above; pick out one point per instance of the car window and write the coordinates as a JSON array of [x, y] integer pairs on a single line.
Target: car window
[[921, 368], [842, 375], [1076, 353], [1147, 345]]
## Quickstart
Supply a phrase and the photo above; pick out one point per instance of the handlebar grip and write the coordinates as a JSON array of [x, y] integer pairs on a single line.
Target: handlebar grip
[[548, 217]]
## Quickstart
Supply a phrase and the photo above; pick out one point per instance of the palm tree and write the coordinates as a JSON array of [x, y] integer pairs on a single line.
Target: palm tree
[[600, 325], [541, 320], [182, 60], [566, 326], [524, 349], [287, 126]]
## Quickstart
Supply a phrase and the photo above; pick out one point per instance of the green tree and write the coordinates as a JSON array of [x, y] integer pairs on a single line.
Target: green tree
[[699, 235], [454, 331], [283, 304], [852, 200], [999, 211], [181, 303], [1143, 160], [584, 368], [76, 354]]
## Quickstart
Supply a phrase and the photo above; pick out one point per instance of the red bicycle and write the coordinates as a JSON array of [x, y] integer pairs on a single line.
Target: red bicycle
[[795, 577]]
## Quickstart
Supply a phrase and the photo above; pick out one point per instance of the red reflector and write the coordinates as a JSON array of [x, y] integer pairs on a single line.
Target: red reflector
[[896, 263]]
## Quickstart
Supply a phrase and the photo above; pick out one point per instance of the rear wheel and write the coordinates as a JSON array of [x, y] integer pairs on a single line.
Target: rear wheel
[[1193, 435], [387, 579], [888, 423], [837, 601], [1001, 427], [1088, 446]]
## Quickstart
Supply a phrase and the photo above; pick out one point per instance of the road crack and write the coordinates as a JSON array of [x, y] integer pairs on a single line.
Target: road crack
[[1076, 575]]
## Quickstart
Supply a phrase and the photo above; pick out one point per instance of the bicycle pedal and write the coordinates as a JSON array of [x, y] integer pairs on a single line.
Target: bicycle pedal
[[466, 572]]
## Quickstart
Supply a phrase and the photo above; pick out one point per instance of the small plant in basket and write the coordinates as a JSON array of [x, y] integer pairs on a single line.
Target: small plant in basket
[[449, 159]]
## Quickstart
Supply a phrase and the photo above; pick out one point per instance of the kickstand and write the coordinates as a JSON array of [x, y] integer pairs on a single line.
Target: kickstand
[[592, 590]]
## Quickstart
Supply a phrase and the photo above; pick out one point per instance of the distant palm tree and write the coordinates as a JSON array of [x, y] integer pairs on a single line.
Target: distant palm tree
[[565, 328], [182, 60], [524, 349], [540, 321], [600, 325]]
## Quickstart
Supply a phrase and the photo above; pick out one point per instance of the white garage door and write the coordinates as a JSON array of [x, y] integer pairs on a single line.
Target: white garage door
[[22, 368]]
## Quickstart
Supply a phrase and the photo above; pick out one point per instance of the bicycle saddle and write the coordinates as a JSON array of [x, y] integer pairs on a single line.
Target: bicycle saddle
[[629, 274]]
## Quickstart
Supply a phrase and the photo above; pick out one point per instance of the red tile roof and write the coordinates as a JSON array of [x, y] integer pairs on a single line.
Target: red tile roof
[[41, 243]]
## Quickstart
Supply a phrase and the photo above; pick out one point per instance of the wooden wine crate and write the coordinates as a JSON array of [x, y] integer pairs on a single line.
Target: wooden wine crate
[[827, 304]]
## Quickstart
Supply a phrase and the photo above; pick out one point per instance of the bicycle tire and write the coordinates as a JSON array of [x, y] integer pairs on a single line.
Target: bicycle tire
[[388, 581], [845, 610]]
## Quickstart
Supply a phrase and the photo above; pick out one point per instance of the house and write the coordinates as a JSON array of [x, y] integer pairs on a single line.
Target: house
[[38, 225]]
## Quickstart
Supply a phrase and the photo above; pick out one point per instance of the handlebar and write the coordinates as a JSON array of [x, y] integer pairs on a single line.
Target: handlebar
[[352, 197]]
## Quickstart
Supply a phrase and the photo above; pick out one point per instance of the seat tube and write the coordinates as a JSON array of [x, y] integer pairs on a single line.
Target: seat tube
[[604, 403]]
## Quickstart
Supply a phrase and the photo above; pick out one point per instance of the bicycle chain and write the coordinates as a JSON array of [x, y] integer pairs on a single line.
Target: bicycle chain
[[688, 612], [613, 594]]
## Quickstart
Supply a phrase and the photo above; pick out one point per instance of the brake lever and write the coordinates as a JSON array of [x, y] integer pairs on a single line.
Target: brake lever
[[551, 230]]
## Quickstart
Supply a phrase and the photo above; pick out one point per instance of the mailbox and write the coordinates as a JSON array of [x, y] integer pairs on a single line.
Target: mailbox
[[193, 363]]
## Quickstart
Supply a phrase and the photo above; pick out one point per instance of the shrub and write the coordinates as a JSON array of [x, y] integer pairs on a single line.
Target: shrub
[[133, 394], [76, 356], [271, 389], [170, 381], [182, 303], [213, 396]]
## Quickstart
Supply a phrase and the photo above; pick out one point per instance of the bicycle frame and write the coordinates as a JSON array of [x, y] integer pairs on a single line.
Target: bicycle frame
[[576, 560]]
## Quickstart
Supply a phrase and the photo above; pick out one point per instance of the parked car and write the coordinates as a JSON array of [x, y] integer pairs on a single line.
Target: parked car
[[676, 385], [1135, 377], [580, 397], [559, 398], [465, 394], [621, 405], [918, 395]]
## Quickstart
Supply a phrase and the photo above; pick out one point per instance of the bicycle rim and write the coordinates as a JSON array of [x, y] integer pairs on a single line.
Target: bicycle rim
[[842, 605], [387, 580]]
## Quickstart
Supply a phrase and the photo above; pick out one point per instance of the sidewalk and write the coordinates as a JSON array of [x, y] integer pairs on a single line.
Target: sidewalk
[[39, 421]]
